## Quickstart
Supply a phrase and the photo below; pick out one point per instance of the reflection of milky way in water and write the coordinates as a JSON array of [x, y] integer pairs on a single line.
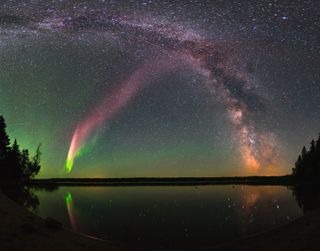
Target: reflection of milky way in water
[[214, 214]]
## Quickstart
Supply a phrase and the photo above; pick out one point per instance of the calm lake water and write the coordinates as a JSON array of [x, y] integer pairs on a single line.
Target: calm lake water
[[170, 216]]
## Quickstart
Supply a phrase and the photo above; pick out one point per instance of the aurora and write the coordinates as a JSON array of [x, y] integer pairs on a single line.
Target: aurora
[[163, 125], [218, 87], [206, 58]]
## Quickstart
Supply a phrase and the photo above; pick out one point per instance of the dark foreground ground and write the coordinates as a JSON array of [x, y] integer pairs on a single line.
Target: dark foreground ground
[[22, 230]]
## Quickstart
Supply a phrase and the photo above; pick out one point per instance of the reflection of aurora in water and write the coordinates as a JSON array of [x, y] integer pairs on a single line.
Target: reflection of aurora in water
[[71, 211], [194, 214]]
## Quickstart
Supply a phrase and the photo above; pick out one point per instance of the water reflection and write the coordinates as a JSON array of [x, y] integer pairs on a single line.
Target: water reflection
[[26, 195], [71, 212], [307, 196], [22, 195], [171, 217]]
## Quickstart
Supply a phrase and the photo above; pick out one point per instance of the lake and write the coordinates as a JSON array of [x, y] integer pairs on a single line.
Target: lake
[[169, 216]]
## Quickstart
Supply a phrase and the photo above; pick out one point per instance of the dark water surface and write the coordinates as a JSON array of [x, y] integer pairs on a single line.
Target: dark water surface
[[170, 216]]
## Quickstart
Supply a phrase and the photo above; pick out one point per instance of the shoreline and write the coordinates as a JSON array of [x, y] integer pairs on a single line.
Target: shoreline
[[20, 229], [178, 181]]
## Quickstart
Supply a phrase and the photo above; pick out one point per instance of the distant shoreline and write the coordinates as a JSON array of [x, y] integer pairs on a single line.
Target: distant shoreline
[[181, 181]]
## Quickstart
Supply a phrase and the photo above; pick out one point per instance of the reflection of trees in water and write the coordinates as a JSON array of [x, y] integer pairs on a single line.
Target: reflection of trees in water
[[307, 196], [25, 195], [22, 195]]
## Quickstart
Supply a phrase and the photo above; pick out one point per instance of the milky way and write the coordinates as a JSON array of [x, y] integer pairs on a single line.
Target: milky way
[[202, 55], [166, 46]]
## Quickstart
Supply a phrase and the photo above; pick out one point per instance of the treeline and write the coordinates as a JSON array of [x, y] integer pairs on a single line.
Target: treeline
[[307, 166], [16, 164]]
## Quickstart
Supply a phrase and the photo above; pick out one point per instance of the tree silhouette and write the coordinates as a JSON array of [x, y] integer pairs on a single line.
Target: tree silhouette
[[32, 167], [15, 164], [4, 147], [14, 159], [307, 166]]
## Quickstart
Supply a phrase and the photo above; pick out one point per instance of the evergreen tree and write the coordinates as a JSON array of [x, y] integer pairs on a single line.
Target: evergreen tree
[[4, 148], [298, 167], [312, 146], [33, 167], [25, 162], [14, 160], [4, 138], [318, 144], [317, 161], [307, 166], [303, 152], [14, 163]]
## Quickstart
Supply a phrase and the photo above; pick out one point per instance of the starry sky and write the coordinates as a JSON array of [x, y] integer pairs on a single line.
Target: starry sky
[[161, 88]]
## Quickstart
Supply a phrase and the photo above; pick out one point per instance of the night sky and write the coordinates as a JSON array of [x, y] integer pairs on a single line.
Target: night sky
[[161, 88]]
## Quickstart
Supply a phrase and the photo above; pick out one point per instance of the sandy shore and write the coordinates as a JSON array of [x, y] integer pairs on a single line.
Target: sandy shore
[[22, 230]]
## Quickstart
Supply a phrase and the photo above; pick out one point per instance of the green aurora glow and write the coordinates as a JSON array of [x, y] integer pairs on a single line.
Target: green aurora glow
[[48, 84]]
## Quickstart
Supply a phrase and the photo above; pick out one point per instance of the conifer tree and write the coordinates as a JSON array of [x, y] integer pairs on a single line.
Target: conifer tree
[[14, 163], [4, 148], [307, 166]]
